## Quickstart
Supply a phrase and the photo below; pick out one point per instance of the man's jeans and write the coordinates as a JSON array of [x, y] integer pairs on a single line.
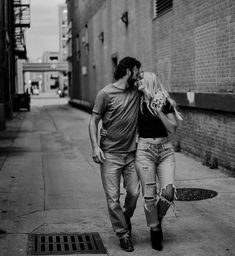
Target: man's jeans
[[155, 162], [115, 166]]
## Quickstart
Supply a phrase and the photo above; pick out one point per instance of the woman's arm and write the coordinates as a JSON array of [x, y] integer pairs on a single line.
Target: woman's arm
[[169, 121]]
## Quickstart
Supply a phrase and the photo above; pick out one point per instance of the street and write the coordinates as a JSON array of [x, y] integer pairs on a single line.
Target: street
[[49, 183]]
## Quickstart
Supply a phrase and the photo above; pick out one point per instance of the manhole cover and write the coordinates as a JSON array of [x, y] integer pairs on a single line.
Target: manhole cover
[[193, 194], [55, 244]]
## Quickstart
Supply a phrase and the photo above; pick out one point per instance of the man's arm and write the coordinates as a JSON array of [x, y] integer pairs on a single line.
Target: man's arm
[[97, 153]]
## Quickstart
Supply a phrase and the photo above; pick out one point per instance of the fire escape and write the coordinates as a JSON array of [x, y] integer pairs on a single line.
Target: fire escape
[[22, 22]]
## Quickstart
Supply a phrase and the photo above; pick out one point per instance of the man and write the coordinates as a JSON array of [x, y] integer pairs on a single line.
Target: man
[[117, 105]]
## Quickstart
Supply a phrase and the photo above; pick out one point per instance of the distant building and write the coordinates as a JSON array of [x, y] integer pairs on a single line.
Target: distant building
[[32, 77], [191, 44], [63, 42], [50, 80], [63, 32]]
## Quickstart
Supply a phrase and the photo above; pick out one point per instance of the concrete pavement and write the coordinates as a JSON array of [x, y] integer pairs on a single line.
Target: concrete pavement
[[49, 183]]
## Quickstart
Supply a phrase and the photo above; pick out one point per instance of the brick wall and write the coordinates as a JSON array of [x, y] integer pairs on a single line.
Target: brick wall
[[192, 47], [196, 43], [207, 133]]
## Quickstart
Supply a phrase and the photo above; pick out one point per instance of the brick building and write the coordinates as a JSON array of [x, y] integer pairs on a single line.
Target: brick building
[[63, 39], [191, 44], [7, 67], [14, 20], [50, 79]]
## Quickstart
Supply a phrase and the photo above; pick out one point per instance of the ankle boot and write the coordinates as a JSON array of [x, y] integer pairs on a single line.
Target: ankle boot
[[156, 239]]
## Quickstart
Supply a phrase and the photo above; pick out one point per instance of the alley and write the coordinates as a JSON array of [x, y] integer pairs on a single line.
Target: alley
[[49, 183], [48, 176]]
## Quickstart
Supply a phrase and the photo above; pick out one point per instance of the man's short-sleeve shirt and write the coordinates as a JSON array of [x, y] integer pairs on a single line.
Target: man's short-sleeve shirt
[[119, 111]]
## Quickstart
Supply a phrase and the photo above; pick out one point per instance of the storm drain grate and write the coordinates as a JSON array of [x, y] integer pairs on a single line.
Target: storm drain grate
[[56, 244], [194, 194]]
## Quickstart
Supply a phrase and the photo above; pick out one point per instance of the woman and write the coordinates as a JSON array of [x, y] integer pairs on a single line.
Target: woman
[[155, 160]]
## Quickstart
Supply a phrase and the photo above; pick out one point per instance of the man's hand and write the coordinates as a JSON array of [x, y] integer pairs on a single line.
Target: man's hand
[[98, 155]]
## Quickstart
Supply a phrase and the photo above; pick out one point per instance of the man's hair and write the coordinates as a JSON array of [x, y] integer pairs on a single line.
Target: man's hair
[[123, 65]]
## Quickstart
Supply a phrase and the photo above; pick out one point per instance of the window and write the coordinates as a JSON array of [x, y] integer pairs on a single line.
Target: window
[[162, 6]]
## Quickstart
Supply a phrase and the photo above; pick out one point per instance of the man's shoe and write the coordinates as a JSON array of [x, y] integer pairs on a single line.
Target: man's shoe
[[126, 244], [128, 222], [156, 239]]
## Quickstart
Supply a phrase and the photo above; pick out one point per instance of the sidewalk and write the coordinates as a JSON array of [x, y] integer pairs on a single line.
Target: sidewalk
[[199, 228]]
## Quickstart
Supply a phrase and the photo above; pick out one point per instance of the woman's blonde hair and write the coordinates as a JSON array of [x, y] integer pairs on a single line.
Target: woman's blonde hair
[[151, 85]]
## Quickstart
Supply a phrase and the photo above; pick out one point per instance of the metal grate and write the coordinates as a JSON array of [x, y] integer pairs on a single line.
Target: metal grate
[[194, 194], [56, 244]]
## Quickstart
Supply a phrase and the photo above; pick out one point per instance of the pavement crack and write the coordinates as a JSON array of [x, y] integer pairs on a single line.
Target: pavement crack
[[11, 233], [44, 224], [29, 213], [44, 183]]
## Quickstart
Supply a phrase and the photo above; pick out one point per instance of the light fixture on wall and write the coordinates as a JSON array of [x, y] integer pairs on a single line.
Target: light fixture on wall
[[124, 18], [101, 36], [84, 41]]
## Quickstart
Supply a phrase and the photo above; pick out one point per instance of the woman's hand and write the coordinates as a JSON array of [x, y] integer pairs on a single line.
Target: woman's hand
[[158, 101], [103, 132]]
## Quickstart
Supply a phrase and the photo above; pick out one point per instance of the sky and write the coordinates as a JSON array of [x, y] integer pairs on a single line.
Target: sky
[[43, 34]]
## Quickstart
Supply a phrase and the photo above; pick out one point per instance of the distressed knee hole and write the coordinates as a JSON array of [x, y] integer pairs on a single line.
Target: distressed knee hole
[[146, 198], [168, 193], [150, 184]]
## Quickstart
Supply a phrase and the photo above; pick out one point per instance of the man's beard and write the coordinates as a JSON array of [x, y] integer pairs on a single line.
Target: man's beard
[[131, 83]]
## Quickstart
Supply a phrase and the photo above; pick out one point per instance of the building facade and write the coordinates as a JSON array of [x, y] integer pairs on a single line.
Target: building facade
[[63, 42], [14, 20], [50, 80], [190, 44], [63, 32], [7, 67]]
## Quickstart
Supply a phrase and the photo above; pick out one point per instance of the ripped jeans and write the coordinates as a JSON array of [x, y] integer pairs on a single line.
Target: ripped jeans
[[155, 164]]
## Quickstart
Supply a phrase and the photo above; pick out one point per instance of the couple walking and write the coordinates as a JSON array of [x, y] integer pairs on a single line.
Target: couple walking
[[135, 106]]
